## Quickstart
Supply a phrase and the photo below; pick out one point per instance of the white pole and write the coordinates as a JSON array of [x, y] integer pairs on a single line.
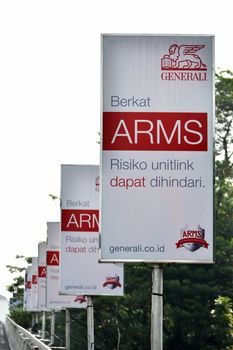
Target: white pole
[[67, 329], [90, 324], [52, 332], [43, 324], [33, 319], [157, 309]]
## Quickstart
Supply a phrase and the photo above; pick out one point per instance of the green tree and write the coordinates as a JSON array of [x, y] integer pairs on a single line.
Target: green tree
[[222, 323], [17, 312]]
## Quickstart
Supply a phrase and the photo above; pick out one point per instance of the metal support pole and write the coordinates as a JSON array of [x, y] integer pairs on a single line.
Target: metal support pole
[[157, 309], [43, 324], [33, 320], [67, 329], [52, 332], [90, 324]]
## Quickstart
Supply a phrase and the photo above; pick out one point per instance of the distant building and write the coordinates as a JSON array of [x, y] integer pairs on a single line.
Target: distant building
[[4, 305]]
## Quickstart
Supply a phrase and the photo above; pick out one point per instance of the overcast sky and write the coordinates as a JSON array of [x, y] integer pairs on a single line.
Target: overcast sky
[[50, 95]]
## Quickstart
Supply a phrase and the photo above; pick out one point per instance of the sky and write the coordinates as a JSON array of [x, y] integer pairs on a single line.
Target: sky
[[50, 96]]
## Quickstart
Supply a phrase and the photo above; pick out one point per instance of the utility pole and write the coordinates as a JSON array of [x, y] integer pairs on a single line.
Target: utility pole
[[90, 324], [43, 324], [157, 308], [67, 329]]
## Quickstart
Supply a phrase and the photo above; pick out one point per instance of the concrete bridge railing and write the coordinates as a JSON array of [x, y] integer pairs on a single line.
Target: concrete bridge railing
[[20, 339]]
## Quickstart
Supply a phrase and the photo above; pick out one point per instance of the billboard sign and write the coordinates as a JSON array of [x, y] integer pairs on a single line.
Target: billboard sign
[[157, 148], [28, 288], [42, 248], [55, 300], [80, 203], [34, 285]]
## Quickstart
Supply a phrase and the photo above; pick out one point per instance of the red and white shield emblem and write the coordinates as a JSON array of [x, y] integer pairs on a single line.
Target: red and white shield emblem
[[192, 238]]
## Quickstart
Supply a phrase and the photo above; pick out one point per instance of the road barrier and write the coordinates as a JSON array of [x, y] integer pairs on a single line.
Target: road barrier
[[21, 339]]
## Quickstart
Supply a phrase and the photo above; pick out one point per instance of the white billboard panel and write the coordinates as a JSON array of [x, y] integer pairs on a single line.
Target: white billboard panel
[[25, 290], [42, 249], [28, 288], [80, 203], [56, 301], [34, 289], [157, 148]]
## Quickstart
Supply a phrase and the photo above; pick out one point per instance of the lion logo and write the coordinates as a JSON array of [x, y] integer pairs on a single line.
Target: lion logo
[[183, 57]]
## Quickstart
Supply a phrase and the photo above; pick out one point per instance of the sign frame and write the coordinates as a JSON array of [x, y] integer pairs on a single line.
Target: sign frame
[[106, 257], [80, 203]]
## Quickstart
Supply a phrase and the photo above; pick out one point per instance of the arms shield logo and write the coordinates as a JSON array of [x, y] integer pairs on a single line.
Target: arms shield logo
[[80, 299], [192, 239], [112, 282]]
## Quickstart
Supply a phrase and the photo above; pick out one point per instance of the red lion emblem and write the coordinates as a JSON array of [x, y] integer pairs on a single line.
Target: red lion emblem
[[183, 57]]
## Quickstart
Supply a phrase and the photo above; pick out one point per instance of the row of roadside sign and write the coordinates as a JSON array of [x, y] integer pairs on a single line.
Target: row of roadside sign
[[151, 200], [67, 267]]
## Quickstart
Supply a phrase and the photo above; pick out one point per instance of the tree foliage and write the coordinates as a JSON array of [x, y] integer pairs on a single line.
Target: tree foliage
[[222, 323], [17, 312]]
